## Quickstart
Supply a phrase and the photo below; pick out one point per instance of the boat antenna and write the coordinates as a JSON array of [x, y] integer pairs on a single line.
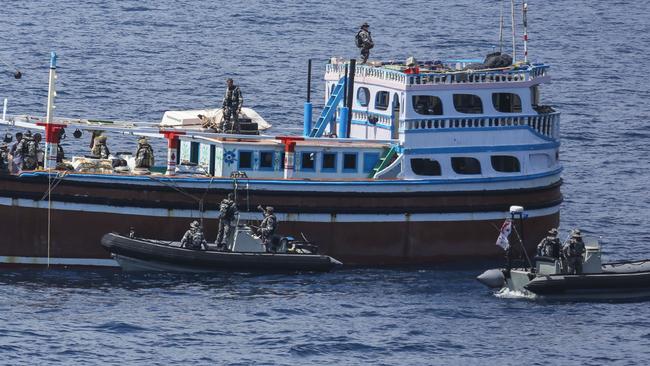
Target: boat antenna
[[501, 28], [512, 20], [525, 21]]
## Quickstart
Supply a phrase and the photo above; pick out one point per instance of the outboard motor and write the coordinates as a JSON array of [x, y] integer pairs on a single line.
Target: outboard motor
[[492, 278]]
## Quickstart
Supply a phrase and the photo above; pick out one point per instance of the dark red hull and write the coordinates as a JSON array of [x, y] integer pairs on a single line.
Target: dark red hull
[[361, 228]]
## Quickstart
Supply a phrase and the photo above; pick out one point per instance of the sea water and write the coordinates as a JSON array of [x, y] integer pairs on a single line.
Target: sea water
[[132, 60]]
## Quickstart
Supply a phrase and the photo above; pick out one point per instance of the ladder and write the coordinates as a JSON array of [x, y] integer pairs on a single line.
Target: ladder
[[384, 161], [328, 111]]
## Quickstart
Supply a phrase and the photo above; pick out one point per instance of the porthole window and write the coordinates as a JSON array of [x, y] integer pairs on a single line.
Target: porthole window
[[506, 102], [363, 96], [468, 103], [465, 165], [427, 105], [505, 163], [428, 167], [382, 100]]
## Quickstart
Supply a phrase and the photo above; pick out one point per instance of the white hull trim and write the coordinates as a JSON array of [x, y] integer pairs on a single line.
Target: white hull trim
[[287, 217], [91, 262]]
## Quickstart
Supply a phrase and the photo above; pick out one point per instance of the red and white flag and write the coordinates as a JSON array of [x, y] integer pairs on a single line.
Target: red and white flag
[[502, 240]]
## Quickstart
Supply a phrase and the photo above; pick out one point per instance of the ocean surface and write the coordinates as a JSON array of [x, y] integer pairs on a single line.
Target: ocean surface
[[132, 60]]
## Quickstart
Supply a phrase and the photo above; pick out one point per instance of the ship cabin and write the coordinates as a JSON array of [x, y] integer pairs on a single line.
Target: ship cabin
[[453, 119], [447, 121], [265, 157]]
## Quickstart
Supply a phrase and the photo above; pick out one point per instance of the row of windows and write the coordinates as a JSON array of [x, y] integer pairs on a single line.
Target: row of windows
[[465, 165], [308, 161], [467, 103], [432, 105]]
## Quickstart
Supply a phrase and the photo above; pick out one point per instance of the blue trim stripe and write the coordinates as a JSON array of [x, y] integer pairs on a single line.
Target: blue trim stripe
[[471, 149], [469, 129], [280, 181]]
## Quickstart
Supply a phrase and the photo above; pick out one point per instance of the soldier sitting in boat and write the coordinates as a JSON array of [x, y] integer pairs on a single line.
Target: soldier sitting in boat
[[573, 252], [267, 228], [232, 103], [100, 150], [550, 246], [144, 155], [227, 220], [193, 238]]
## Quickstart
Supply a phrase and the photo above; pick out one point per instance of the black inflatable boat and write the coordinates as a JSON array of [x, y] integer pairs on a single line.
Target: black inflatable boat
[[139, 254]]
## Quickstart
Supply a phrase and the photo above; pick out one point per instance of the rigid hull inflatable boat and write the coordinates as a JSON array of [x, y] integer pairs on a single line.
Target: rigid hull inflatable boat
[[247, 255]]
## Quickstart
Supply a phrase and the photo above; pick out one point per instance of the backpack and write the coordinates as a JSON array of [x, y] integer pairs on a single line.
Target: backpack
[[358, 40], [197, 239]]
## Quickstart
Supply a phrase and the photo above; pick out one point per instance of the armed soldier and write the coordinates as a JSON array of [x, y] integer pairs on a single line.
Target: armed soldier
[[28, 149], [227, 220], [268, 226], [100, 150], [193, 238], [232, 103], [144, 155], [550, 246], [4, 158], [573, 252], [364, 42]]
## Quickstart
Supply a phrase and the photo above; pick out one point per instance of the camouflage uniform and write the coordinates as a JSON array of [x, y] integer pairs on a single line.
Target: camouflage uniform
[[227, 215], [573, 252], [232, 103], [144, 155], [100, 149], [550, 246], [4, 158], [268, 226], [27, 149], [364, 42], [193, 238]]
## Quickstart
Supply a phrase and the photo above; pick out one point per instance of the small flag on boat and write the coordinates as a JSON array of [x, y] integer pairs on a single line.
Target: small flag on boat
[[502, 240]]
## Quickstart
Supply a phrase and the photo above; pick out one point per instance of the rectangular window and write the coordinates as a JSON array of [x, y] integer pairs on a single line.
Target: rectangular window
[[194, 152], [422, 166], [505, 163], [307, 161], [381, 100], [468, 103], [329, 162], [245, 160], [506, 102], [369, 161], [466, 165], [350, 162], [427, 104], [266, 160]]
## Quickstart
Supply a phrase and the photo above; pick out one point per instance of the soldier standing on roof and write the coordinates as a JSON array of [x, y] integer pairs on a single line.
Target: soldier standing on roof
[[364, 42], [232, 102]]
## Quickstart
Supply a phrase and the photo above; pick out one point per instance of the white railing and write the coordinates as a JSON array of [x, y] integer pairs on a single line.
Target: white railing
[[547, 124], [504, 75], [376, 118]]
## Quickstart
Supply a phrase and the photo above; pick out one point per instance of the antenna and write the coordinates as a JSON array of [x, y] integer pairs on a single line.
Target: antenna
[[525, 21], [501, 27], [512, 13]]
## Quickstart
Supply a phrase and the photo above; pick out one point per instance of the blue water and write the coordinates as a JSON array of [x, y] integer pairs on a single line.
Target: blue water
[[135, 59]]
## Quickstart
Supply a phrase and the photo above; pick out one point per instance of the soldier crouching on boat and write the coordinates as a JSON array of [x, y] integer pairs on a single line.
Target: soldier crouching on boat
[[4, 158], [227, 220], [267, 228], [193, 238], [144, 157], [99, 149]]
